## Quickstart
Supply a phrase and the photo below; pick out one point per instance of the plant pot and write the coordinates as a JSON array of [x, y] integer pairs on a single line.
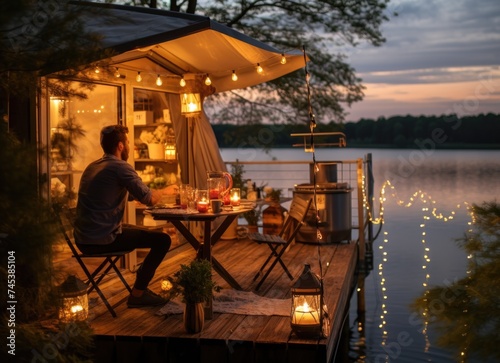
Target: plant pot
[[194, 317], [231, 232], [156, 151]]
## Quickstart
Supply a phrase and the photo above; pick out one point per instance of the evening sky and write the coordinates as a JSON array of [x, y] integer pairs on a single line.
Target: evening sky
[[440, 57]]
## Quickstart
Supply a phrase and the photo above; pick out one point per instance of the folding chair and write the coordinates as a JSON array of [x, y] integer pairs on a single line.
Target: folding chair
[[66, 218], [280, 242]]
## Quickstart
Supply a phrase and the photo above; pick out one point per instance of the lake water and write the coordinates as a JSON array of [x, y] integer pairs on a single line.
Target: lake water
[[445, 180]]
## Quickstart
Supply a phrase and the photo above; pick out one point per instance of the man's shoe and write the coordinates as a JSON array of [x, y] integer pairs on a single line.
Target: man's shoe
[[148, 298]]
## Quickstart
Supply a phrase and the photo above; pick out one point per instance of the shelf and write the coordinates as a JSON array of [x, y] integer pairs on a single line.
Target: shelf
[[155, 161], [153, 125], [65, 172]]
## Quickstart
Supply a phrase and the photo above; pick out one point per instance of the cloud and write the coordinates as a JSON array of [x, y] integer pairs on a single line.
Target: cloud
[[432, 75], [440, 57], [435, 34]]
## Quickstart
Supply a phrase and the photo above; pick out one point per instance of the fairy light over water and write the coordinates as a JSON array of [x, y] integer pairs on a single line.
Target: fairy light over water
[[429, 210]]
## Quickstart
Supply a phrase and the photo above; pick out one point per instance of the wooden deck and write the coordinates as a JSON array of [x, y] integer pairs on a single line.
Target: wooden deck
[[138, 335]]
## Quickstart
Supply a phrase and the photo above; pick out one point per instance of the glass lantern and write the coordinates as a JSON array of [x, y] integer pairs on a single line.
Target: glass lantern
[[74, 304], [190, 103], [170, 149], [307, 300]]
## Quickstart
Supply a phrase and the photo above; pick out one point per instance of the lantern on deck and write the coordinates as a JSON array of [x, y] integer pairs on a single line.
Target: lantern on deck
[[307, 300], [74, 304]]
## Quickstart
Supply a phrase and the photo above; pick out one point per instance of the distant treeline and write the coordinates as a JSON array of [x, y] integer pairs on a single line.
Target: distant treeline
[[440, 132]]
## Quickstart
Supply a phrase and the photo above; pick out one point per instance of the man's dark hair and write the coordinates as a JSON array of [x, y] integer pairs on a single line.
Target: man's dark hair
[[111, 136]]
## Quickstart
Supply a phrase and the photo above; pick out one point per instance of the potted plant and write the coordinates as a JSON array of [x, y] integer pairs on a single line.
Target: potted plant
[[274, 196], [252, 218], [194, 283], [156, 141]]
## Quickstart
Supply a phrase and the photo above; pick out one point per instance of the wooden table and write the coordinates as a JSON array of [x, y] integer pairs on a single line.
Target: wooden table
[[204, 248]]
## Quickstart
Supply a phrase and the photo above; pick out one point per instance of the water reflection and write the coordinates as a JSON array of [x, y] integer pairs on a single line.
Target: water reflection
[[418, 250], [466, 312]]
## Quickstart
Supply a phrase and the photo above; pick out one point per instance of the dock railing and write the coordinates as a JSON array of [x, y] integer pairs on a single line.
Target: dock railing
[[285, 175]]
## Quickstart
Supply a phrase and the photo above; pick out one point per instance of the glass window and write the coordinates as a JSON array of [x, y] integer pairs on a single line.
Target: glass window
[[75, 124]]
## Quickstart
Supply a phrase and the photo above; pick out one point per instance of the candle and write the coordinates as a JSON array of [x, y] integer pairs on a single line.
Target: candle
[[304, 315], [235, 197], [76, 309], [202, 206]]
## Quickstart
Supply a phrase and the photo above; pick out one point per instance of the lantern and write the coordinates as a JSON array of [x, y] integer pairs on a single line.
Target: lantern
[[74, 304], [190, 103], [166, 285], [307, 300], [170, 149]]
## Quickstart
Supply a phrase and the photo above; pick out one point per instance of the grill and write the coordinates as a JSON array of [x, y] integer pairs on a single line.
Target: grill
[[333, 201]]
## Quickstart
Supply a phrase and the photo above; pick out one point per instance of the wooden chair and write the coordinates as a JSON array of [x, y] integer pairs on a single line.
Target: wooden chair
[[280, 242], [66, 217]]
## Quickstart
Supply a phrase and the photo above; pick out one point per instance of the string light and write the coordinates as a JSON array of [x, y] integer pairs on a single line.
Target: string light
[[159, 81], [429, 211], [208, 81], [182, 82]]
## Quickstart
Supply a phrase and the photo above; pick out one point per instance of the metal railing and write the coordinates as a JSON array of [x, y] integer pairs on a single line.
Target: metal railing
[[285, 175]]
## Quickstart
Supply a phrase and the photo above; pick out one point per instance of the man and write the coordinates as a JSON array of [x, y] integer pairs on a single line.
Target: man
[[105, 187]]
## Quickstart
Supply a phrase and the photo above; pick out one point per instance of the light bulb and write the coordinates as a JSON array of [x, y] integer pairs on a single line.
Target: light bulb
[[234, 77], [138, 78], [158, 81], [182, 82], [117, 73], [97, 70], [283, 59], [208, 81], [259, 69]]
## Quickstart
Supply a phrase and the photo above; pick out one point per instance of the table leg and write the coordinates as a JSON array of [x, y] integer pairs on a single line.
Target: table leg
[[206, 253], [187, 234], [225, 275], [216, 265]]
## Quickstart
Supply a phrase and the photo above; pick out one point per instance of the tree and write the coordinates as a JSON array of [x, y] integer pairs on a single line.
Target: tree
[[323, 27], [39, 38], [36, 38]]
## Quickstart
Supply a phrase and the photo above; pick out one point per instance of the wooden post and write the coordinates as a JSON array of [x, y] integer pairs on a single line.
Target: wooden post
[[361, 219], [369, 186]]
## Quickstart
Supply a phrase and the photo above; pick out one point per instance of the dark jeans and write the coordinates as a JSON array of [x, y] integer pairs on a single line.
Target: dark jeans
[[133, 237]]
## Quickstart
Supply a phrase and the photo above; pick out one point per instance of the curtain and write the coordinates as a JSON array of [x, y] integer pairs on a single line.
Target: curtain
[[197, 148]]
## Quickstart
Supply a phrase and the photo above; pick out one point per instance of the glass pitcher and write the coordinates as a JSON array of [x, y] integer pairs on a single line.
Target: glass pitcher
[[219, 183]]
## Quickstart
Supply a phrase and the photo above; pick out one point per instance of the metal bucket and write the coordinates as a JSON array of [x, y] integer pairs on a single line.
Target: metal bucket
[[327, 173], [334, 210]]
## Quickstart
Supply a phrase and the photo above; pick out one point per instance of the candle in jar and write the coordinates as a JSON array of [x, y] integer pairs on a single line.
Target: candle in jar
[[235, 196], [202, 206], [305, 315]]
